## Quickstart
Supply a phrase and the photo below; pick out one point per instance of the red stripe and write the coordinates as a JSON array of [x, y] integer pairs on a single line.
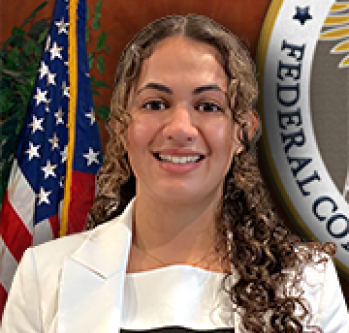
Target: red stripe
[[82, 195], [3, 298], [14, 233], [54, 225]]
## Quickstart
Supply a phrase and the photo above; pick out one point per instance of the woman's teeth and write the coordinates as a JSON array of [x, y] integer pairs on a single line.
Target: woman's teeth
[[178, 159]]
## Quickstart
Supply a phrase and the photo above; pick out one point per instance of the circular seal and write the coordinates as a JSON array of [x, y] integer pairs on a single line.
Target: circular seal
[[303, 63]]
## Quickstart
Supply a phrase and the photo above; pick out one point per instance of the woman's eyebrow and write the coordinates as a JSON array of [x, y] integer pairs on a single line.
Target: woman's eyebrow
[[156, 86], [206, 87]]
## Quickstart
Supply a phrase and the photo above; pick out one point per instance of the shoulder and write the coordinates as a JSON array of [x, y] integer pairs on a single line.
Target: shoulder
[[320, 288], [49, 255]]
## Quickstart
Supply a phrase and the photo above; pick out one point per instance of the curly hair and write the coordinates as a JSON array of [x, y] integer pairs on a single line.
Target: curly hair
[[259, 248]]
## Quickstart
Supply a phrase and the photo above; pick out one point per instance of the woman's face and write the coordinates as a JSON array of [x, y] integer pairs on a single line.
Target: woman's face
[[181, 139]]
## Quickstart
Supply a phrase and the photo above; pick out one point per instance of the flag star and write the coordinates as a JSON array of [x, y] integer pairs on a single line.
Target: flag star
[[48, 169], [55, 51], [33, 151], [62, 26], [36, 124], [54, 141], [64, 154], [59, 116], [43, 70], [91, 115], [48, 42], [47, 107], [40, 96], [61, 181], [43, 196], [66, 89], [51, 78], [91, 157]]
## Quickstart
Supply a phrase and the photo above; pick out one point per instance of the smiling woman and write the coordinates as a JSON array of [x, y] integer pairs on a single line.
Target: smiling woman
[[199, 247]]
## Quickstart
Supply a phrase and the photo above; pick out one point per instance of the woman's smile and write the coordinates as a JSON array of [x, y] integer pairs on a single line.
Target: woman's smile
[[179, 160]]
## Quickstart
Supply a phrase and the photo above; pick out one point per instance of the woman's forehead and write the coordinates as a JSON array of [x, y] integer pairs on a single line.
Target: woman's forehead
[[182, 58]]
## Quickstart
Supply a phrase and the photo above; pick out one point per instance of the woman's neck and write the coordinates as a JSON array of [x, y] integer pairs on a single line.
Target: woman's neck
[[166, 234]]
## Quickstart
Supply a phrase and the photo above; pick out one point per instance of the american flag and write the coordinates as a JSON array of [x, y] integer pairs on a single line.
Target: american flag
[[52, 181]]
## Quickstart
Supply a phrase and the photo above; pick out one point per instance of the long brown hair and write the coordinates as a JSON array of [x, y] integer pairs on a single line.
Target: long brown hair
[[260, 248]]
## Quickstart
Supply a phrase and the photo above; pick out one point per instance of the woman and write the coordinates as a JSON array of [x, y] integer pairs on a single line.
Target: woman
[[182, 144]]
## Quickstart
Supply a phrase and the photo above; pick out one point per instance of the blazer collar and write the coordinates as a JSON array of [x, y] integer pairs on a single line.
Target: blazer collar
[[106, 250], [93, 277]]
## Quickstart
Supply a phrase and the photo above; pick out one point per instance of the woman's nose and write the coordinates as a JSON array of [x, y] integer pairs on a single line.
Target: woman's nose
[[180, 126]]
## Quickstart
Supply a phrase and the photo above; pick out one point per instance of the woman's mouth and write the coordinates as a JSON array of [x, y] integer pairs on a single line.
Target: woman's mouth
[[175, 159], [179, 164]]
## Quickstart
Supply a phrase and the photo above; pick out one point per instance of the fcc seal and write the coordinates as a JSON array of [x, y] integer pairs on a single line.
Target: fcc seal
[[303, 64]]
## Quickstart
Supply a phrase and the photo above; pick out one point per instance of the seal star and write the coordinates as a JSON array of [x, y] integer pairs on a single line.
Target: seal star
[[55, 51], [43, 196], [48, 169], [302, 15], [91, 157], [33, 151], [36, 124]]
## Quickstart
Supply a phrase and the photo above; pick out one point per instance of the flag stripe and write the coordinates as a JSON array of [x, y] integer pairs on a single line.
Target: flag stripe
[[8, 267], [19, 191], [55, 225], [15, 235], [83, 189], [42, 232], [3, 298]]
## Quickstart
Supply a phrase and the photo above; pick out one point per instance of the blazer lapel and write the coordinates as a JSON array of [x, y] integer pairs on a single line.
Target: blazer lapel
[[92, 281]]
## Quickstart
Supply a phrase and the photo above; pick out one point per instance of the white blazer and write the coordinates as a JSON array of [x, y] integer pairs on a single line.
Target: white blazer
[[76, 283]]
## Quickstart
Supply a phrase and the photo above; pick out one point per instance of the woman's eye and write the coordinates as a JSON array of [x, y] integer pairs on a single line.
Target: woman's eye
[[154, 105], [209, 107]]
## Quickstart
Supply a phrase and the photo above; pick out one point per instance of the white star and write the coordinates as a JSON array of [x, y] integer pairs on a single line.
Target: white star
[[43, 196], [33, 151], [51, 78], [40, 96], [62, 26], [55, 51], [61, 181], [43, 70], [36, 124], [91, 115], [91, 157], [66, 89], [64, 154], [59, 116], [47, 107], [54, 141], [48, 169], [48, 42]]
